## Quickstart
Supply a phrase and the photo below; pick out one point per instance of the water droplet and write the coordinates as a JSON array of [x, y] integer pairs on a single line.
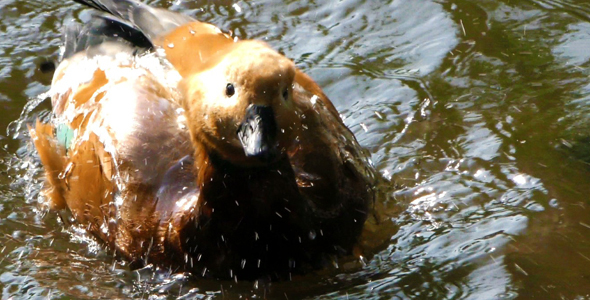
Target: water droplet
[[364, 127], [363, 261], [17, 234], [335, 263], [519, 179], [313, 99], [312, 235], [171, 45]]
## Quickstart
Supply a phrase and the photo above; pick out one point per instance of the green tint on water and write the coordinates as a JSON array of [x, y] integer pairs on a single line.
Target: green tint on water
[[477, 110]]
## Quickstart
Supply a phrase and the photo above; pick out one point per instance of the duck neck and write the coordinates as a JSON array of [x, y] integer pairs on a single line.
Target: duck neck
[[260, 187]]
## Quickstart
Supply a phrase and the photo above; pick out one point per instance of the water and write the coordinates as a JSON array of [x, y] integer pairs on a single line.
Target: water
[[478, 110]]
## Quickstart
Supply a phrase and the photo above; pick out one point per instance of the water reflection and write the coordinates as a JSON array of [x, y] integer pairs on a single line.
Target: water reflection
[[476, 110]]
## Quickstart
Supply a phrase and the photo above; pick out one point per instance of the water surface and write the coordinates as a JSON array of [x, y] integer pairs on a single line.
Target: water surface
[[478, 112]]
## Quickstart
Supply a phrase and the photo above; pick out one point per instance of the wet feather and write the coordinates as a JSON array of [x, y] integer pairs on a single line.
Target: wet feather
[[147, 154]]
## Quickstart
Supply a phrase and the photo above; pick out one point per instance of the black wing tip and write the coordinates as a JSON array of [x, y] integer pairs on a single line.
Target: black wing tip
[[122, 30], [102, 28], [120, 8], [152, 22]]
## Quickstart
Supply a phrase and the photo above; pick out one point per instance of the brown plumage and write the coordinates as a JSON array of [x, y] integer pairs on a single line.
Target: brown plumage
[[209, 155]]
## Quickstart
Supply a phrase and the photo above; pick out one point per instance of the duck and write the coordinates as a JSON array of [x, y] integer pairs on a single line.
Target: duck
[[177, 145]]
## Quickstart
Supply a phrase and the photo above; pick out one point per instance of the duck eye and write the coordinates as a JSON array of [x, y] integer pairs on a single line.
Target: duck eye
[[230, 90], [286, 94]]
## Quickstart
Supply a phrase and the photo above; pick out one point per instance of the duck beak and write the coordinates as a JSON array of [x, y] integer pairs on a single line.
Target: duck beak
[[258, 132]]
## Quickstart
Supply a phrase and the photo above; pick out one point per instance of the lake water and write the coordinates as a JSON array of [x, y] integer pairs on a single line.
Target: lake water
[[477, 111]]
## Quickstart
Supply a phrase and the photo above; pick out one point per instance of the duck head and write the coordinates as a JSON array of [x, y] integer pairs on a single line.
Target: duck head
[[240, 105]]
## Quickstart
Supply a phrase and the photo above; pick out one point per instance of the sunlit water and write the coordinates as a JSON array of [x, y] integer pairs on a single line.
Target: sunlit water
[[478, 112]]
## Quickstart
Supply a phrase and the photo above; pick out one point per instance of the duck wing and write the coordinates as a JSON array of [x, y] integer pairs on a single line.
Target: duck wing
[[100, 29], [118, 132], [151, 22], [188, 44]]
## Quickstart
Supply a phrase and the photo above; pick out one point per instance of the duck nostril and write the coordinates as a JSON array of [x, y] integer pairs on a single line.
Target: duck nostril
[[286, 94]]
